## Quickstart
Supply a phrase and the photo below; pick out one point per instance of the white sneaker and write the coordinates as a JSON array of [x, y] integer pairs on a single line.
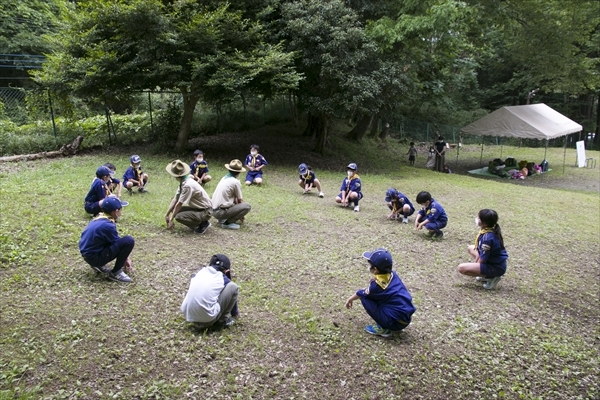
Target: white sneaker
[[356, 208], [405, 220], [321, 194], [481, 279]]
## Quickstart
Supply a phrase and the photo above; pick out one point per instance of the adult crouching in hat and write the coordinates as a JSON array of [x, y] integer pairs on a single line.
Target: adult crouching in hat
[[191, 205], [229, 207], [100, 243], [386, 299], [212, 296]]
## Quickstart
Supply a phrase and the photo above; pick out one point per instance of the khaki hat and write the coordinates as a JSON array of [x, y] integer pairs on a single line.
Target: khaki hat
[[235, 166], [178, 168]]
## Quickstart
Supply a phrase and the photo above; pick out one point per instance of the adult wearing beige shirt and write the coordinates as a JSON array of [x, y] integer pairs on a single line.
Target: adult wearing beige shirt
[[191, 205], [229, 207]]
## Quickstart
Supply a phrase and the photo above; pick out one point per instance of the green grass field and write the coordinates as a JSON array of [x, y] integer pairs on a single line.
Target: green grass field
[[67, 333]]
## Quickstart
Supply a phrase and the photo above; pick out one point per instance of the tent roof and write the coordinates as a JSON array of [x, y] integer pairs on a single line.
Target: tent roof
[[532, 121]]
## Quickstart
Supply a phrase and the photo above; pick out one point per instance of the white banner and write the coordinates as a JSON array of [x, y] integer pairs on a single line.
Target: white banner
[[580, 154]]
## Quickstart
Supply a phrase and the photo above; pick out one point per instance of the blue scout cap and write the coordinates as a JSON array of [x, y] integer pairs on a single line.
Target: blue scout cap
[[380, 258], [102, 172], [352, 166], [135, 159], [302, 169], [390, 194], [111, 204]]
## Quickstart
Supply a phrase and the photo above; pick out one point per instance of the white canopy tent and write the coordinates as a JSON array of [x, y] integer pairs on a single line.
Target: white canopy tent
[[531, 121]]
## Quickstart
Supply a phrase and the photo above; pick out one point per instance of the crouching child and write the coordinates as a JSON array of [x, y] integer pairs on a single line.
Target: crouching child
[[386, 299]]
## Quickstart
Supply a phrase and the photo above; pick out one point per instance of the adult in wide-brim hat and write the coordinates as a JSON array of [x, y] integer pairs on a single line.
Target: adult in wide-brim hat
[[191, 205], [235, 166], [178, 168]]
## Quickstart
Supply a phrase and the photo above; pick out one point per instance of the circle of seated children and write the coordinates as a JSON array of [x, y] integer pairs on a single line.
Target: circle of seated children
[[211, 299]]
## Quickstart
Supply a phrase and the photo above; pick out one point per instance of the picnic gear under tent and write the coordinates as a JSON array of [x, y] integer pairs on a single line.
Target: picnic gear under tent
[[531, 121]]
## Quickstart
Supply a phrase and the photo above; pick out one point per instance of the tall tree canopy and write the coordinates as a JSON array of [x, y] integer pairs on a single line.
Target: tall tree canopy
[[209, 53]]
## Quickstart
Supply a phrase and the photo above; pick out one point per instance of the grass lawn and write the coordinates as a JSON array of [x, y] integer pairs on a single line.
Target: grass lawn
[[67, 333]]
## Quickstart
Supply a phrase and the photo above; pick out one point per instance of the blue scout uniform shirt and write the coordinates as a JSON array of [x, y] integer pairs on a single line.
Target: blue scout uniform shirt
[[197, 168], [98, 191], [255, 161], [100, 233], [434, 212], [352, 183], [491, 252], [393, 298], [399, 201], [308, 178], [132, 173]]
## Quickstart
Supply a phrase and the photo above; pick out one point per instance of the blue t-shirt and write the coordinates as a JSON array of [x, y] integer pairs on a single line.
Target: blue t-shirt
[[132, 173], [198, 168], [434, 212], [399, 201], [100, 233], [351, 183], [491, 251], [393, 298], [98, 191], [308, 178], [255, 161]]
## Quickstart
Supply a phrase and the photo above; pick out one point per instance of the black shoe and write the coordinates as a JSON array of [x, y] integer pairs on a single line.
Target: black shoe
[[437, 236], [202, 227]]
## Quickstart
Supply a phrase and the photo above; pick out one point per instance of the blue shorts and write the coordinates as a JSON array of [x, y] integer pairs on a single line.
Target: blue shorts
[[252, 175], [92, 208], [492, 270], [360, 195], [379, 315], [436, 226]]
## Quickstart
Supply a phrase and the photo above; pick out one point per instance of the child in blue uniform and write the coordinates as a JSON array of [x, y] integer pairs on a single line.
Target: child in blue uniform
[[431, 216], [351, 188], [199, 168], [115, 184], [98, 191], [386, 300], [134, 176], [100, 243], [488, 253], [255, 163], [308, 179], [399, 204]]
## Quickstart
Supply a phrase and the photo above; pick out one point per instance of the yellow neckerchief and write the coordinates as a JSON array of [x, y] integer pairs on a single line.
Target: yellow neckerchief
[[106, 189], [383, 280], [138, 171], [307, 176], [253, 162], [197, 167], [104, 215], [483, 231]]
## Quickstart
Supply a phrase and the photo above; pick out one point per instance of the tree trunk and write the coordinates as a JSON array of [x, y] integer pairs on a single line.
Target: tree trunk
[[322, 130], [311, 126], [374, 126], [66, 150], [189, 105], [359, 130], [384, 131]]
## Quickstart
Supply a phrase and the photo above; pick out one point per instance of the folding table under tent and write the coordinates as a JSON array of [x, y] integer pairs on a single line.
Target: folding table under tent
[[531, 121]]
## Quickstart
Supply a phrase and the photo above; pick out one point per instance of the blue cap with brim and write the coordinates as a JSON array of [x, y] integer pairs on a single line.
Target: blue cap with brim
[[380, 258]]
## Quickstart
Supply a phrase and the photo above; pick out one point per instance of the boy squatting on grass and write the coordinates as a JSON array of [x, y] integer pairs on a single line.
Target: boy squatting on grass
[[134, 176], [488, 253], [199, 168], [386, 300], [99, 191], [308, 179], [431, 216], [100, 243], [399, 204], [212, 296], [255, 163], [351, 188]]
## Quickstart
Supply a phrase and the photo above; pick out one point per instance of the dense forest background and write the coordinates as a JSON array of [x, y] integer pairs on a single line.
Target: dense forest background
[[151, 67]]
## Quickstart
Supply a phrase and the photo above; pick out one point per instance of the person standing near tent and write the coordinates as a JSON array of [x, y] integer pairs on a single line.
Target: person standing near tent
[[440, 157]]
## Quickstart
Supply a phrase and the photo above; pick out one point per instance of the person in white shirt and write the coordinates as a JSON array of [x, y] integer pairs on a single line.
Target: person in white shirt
[[212, 296]]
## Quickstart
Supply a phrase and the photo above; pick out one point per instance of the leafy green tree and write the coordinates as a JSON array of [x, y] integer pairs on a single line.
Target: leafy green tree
[[208, 53]]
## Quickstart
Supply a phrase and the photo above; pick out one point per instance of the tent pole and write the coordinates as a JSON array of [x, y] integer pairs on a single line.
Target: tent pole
[[481, 156], [546, 149], [458, 150], [500, 146], [565, 154]]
